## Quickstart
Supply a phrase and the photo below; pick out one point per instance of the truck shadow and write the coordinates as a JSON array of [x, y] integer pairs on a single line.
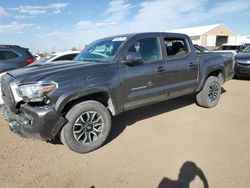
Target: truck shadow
[[188, 172], [128, 118]]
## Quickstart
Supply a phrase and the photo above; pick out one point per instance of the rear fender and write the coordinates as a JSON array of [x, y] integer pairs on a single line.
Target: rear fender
[[205, 72]]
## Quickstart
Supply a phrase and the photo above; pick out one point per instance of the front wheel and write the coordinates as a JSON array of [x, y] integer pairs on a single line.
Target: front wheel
[[210, 94], [88, 127]]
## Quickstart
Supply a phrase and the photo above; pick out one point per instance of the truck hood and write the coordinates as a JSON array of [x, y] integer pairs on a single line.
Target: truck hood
[[58, 71], [243, 56]]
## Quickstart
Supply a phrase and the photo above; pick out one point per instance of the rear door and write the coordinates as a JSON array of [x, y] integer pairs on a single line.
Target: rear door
[[181, 66], [139, 82]]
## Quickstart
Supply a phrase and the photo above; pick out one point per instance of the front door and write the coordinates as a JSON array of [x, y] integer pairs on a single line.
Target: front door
[[139, 84]]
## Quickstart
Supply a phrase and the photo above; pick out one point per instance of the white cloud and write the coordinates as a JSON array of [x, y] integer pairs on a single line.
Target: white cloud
[[153, 15], [231, 6], [156, 15], [55, 8], [14, 27], [2, 12], [159, 15], [30, 10], [22, 17], [117, 10], [85, 25], [149, 15]]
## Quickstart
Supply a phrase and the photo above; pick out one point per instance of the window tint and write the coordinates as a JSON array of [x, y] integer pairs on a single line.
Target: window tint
[[66, 57], [228, 47], [176, 47], [246, 49], [149, 48], [6, 55], [197, 49]]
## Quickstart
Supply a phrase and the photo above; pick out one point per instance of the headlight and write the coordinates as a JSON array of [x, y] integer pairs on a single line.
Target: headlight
[[35, 92]]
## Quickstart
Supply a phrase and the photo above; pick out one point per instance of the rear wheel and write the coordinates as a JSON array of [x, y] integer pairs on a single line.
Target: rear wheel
[[88, 127], [209, 96]]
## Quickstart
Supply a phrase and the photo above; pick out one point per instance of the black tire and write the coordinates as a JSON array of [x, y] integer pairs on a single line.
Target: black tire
[[62, 139], [209, 96], [88, 127]]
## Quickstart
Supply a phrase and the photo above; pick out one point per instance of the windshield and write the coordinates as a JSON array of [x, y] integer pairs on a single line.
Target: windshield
[[102, 50], [46, 58], [246, 49]]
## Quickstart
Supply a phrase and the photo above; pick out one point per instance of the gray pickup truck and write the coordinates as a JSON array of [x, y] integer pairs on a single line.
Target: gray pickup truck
[[76, 100]]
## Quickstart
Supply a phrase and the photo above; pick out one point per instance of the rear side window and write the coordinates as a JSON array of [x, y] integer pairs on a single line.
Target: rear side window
[[66, 57], [176, 47], [149, 48], [7, 55], [228, 47], [197, 49]]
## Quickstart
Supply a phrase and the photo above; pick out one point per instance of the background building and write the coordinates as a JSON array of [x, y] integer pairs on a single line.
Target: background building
[[243, 38], [210, 35]]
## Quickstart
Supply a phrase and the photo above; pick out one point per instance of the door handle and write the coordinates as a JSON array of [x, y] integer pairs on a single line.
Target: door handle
[[160, 69], [192, 64]]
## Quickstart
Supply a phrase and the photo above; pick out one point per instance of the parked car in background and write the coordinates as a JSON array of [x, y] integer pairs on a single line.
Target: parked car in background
[[75, 99], [244, 46], [242, 63], [59, 56], [36, 56], [229, 47], [13, 57], [199, 48]]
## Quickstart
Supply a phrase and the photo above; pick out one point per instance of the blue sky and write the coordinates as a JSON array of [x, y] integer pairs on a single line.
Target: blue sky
[[59, 25]]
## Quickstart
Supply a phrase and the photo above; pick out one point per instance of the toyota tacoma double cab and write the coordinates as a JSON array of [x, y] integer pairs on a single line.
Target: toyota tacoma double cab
[[75, 100]]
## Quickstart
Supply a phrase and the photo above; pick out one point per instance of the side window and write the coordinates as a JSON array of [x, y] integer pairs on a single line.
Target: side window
[[66, 57], [176, 47], [197, 49], [149, 48], [7, 55]]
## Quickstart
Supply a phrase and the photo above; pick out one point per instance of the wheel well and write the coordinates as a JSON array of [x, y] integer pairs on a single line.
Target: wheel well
[[101, 97], [218, 74]]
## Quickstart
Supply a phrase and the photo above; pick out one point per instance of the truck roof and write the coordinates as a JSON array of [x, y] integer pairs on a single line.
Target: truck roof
[[129, 35]]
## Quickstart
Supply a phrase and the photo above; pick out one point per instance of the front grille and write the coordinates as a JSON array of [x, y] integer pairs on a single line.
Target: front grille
[[7, 94], [244, 64], [242, 70]]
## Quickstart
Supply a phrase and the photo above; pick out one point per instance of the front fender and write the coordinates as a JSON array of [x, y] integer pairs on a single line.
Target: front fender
[[75, 94]]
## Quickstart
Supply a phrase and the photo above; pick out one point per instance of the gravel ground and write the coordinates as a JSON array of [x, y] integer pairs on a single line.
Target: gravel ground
[[162, 145]]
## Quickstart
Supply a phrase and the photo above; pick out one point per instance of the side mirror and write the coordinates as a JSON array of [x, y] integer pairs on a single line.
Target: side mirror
[[132, 58]]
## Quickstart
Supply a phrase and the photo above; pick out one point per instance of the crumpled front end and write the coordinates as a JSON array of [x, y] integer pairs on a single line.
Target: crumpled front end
[[35, 122]]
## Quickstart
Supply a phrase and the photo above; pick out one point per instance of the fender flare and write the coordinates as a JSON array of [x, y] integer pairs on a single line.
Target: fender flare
[[75, 94], [208, 72]]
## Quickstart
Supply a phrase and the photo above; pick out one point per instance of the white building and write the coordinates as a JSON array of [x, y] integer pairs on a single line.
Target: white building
[[243, 39], [210, 35]]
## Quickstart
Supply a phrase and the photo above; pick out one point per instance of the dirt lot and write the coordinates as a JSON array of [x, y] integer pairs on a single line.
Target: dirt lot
[[147, 145]]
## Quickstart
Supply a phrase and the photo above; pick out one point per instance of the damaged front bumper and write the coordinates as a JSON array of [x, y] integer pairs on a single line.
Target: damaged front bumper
[[34, 122]]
